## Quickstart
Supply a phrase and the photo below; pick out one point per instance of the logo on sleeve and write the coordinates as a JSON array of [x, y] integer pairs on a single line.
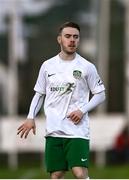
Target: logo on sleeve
[[77, 74], [100, 82]]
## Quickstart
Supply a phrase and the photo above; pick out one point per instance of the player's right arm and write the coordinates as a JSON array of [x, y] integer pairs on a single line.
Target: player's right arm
[[29, 124]]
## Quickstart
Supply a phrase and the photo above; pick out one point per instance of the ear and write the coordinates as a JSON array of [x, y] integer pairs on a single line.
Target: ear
[[58, 39]]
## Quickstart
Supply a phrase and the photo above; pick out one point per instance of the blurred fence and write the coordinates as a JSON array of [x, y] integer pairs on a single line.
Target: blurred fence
[[104, 130]]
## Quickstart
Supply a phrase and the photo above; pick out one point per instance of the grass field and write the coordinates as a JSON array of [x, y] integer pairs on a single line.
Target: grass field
[[109, 172]]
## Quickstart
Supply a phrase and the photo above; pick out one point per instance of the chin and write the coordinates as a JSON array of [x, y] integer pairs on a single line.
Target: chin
[[71, 52]]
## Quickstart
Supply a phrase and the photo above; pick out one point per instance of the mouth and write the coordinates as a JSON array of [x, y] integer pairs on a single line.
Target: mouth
[[72, 46]]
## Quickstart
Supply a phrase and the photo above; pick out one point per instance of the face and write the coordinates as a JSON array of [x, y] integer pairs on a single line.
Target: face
[[69, 40]]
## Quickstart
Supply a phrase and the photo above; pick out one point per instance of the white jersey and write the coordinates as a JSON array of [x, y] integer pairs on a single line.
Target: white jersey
[[67, 85]]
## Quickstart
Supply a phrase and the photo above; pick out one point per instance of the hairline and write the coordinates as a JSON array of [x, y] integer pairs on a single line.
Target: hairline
[[68, 25]]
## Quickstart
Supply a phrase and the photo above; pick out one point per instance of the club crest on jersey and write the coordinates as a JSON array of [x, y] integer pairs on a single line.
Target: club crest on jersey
[[77, 74]]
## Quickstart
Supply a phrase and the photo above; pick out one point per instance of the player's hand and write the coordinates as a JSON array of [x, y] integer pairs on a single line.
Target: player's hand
[[25, 128], [75, 116]]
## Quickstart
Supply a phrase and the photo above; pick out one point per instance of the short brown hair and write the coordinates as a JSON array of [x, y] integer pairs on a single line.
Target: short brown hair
[[68, 24]]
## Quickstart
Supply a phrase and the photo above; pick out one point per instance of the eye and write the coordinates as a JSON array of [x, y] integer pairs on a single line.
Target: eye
[[67, 35], [76, 36]]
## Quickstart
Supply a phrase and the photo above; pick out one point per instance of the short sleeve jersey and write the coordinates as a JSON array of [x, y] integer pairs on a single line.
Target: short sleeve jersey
[[67, 85]]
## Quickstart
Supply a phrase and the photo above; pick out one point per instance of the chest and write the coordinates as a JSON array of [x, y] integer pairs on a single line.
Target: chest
[[65, 73]]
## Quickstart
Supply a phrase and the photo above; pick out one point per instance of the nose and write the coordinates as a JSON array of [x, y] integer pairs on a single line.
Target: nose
[[72, 38]]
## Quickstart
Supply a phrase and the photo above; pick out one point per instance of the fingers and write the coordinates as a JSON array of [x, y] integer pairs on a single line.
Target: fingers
[[25, 128], [19, 130], [74, 117], [26, 133], [23, 132], [20, 127], [34, 130]]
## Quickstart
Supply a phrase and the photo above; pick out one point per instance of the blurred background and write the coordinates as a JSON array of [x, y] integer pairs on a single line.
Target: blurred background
[[28, 32]]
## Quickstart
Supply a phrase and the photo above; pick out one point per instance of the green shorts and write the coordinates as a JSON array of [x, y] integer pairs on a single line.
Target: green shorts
[[65, 153]]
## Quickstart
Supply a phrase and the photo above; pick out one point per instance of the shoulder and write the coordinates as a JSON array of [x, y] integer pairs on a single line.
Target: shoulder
[[86, 63], [48, 63]]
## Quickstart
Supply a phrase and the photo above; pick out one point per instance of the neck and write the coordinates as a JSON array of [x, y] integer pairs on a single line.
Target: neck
[[66, 57]]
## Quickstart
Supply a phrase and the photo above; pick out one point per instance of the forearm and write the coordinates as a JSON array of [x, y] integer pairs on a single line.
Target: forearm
[[94, 102], [35, 106]]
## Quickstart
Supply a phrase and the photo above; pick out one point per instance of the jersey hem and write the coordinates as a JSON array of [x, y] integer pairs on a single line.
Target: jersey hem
[[63, 136]]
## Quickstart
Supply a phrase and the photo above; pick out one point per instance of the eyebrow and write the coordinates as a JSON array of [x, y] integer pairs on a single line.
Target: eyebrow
[[71, 34]]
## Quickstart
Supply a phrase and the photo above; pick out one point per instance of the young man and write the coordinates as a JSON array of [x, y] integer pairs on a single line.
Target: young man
[[64, 82]]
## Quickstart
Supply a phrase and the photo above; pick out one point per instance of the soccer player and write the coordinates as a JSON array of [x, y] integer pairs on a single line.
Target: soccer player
[[64, 84]]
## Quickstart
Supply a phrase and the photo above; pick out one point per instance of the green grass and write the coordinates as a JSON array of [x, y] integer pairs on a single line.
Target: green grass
[[108, 172]]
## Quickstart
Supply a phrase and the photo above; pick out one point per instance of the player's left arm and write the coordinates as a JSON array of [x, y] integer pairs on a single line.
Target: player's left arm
[[97, 88], [77, 115]]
